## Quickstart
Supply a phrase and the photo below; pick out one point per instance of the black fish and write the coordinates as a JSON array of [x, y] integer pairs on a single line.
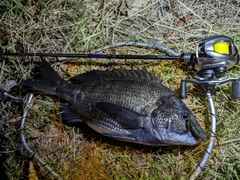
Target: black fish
[[128, 105]]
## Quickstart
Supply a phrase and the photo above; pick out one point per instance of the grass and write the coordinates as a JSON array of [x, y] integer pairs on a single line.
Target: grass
[[81, 26]]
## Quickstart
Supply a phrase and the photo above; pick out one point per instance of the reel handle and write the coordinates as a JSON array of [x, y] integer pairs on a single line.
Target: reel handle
[[210, 84], [235, 89], [183, 90]]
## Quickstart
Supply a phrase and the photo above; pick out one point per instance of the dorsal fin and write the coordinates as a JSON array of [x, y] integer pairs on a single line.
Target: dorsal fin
[[115, 73]]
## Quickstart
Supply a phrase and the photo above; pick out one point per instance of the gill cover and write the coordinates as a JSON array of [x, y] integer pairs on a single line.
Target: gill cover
[[173, 123]]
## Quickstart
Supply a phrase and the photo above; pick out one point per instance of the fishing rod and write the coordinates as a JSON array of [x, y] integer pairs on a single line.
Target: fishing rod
[[212, 58], [218, 52], [97, 56]]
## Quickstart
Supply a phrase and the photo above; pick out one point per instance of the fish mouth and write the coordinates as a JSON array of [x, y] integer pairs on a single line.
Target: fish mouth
[[172, 138], [195, 128]]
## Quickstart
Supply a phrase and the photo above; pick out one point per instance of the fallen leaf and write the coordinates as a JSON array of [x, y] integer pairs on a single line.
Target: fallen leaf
[[64, 67], [168, 34], [32, 172], [187, 18], [72, 69], [62, 58], [9, 84], [183, 21], [34, 133], [14, 120], [187, 101]]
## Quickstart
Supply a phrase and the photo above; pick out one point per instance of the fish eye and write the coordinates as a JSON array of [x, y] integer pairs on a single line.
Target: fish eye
[[185, 115]]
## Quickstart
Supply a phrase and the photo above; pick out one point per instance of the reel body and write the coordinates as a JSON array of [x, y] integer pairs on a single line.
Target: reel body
[[217, 53], [213, 57]]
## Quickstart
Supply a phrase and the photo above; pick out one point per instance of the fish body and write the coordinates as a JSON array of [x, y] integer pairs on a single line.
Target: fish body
[[127, 105]]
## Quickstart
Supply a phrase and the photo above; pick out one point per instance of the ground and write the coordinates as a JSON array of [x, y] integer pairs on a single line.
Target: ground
[[80, 26]]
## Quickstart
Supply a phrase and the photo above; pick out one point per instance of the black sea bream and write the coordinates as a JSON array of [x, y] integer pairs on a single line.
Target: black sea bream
[[127, 105]]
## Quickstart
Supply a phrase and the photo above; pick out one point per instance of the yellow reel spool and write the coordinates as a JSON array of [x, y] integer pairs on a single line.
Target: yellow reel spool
[[222, 47]]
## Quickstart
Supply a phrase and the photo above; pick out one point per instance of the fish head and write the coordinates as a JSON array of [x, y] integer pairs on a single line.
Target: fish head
[[173, 123]]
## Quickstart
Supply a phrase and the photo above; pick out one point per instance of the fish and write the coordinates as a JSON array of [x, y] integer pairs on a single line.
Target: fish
[[127, 105]]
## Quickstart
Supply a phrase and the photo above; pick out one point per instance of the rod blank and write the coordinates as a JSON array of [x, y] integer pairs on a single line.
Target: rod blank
[[98, 56]]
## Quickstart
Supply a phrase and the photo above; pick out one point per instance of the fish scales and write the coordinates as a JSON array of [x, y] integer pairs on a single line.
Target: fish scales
[[127, 105], [136, 95], [140, 95]]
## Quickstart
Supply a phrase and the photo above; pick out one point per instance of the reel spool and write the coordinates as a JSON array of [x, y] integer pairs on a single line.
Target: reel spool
[[217, 55]]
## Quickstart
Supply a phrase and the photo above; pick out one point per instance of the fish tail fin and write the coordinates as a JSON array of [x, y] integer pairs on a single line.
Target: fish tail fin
[[49, 80]]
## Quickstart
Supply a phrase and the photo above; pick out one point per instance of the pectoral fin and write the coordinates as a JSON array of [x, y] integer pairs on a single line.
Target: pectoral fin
[[126, 117]]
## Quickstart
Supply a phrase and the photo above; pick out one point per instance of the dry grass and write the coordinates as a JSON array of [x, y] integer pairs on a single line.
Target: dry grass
[[80, 26]]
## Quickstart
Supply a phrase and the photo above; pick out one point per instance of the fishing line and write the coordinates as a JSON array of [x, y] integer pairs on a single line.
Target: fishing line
[[27, 104], [221, 122], [149, 45]]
